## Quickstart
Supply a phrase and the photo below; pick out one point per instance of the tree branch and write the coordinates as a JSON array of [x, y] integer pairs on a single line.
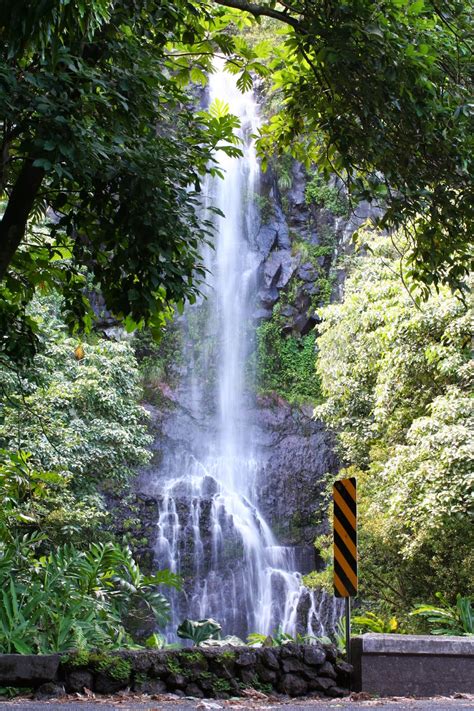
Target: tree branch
[[261, 10], [20, 204]]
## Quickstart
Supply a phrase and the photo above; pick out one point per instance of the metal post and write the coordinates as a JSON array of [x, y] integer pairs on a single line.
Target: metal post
[[348, 629]]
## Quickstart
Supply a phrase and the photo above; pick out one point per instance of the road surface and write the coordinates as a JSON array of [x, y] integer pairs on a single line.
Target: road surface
[[399, 704]]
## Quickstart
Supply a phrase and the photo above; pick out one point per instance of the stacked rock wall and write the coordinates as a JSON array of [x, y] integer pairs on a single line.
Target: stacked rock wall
[[212, 672], [215, 672]]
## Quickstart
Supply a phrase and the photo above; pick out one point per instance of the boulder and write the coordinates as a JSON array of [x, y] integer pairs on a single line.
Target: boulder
[[269, 658], [79, 679], [278, 269], [327, 669], [105, 684], [268, 676], [150, 686], [307, 272], [194, 691], [292, 685], [292, 665], [262, 314], [268, 297], [314, 655], [344, 673], [321, 683], [28, 669], [176, 681], [245, 658], [331, 652], [290, 650], [50, 690]]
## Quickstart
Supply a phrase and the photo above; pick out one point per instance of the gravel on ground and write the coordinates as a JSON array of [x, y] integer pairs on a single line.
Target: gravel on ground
[[254, 702]]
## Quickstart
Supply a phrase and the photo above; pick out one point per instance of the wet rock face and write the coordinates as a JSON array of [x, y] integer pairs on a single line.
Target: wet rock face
[[298, 453], [282, 261]]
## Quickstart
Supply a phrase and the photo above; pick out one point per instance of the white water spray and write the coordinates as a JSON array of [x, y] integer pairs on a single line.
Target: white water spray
[[210, 529]]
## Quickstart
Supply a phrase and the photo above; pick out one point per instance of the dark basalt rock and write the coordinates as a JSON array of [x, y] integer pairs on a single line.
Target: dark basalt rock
[[158, 670], [246, 658], [192, 664], [207, 672], [248, 675], [16, 669], [321, 683], [328, 670], [268, 297], [151, 686], [344, 668], [194, 691], [307, 272], [268, 676], [50, 690], [266, 239], [269, 658], [336, 692], [292, 665], [291, 650], [78, 680], [331, 653], [314, 655], [176, 681], [262, 314], [293, 685], [105, 684]]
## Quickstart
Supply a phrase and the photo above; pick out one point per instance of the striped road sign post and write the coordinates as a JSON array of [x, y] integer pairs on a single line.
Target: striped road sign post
[[345, 546]]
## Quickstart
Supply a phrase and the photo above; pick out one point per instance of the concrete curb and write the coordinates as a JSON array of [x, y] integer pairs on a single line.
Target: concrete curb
[[418, 665]]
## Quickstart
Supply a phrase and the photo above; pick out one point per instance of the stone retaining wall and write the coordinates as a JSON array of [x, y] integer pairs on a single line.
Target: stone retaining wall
[[413, 665], [219, 672]]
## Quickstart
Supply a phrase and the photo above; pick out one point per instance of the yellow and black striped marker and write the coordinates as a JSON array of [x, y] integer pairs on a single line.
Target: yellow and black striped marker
[[345, 537]]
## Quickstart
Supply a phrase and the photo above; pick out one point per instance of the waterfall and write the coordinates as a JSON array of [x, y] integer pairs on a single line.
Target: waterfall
[[210, 529]]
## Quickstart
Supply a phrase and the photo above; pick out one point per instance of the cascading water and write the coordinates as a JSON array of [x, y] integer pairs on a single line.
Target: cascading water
[[209, 528]]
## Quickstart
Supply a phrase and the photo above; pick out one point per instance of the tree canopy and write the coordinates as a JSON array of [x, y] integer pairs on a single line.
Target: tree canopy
[[104, 149], [381, 94], [396, 379], [102, 161]]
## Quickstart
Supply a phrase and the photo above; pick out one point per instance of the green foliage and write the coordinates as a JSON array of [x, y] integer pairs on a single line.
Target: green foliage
[[226, 656], [380, 94], [396, 379], [174, 666], [79, 417], [285, 363], [321, 193], [113, 666], [83, 91], [277, 638], [159, 359], [72, 599], [322, 578], [199, 631], [155, 641], [35, 499], [264, 206], [219, 684], [370, 622], [445, 618]]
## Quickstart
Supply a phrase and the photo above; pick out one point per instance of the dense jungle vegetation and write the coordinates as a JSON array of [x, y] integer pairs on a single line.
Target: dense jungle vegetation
[[397, 380], [102, 163]]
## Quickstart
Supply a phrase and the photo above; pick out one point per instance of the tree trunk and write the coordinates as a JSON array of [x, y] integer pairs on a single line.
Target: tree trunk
[[20, 203]]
